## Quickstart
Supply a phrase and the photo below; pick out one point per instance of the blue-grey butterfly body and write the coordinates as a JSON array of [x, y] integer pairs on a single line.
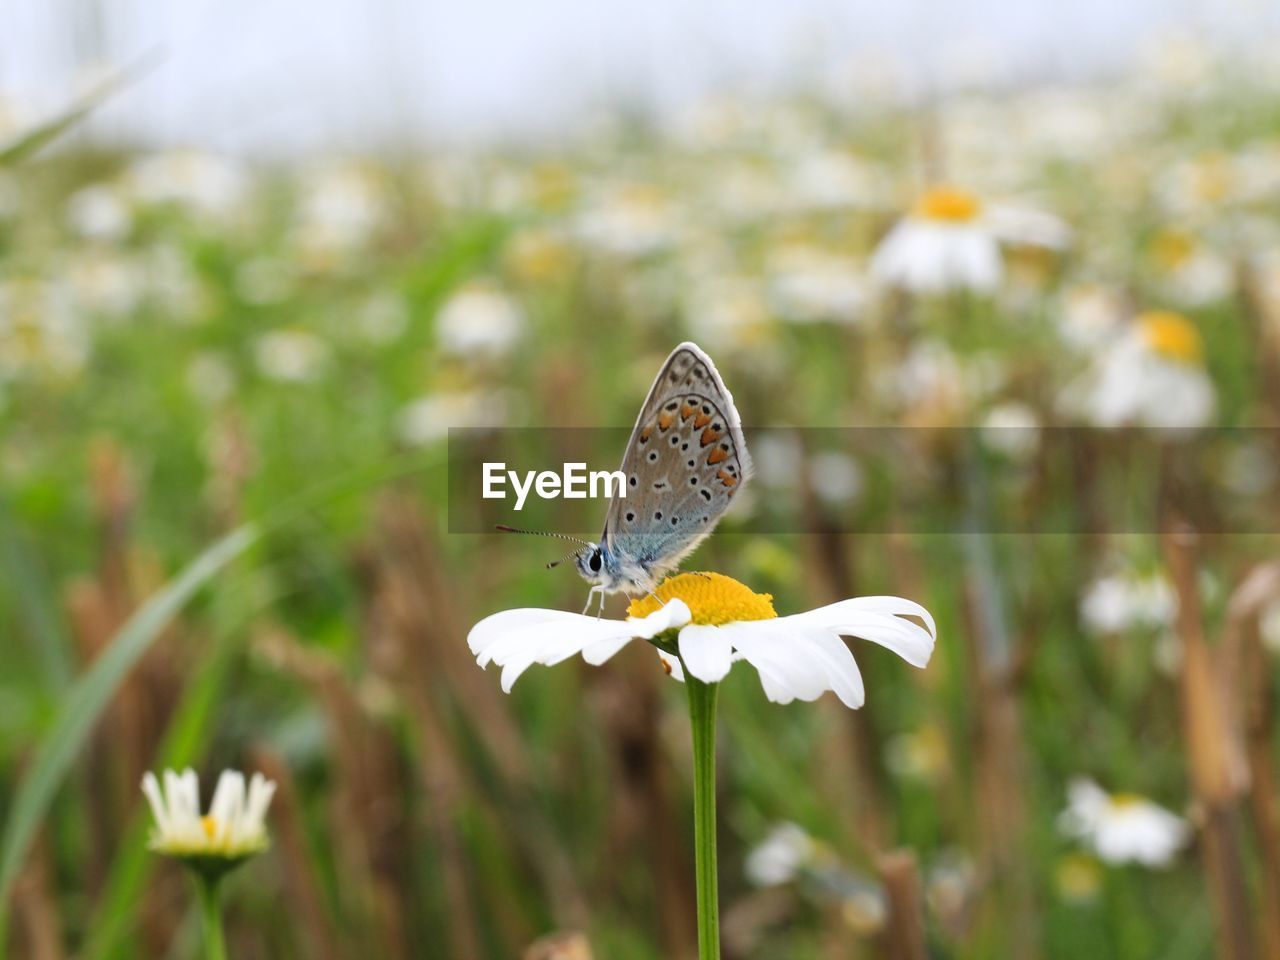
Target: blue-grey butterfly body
[[686, 460]]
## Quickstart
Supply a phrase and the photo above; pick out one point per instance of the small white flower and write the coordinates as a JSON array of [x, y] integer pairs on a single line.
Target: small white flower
[[291, 356], [1012, 429], [1114, 604], [479, 321], [210, 377], [718, 622], [1122, 828], [1152, 376], [808, 285], [99, 213], [428, 419], [206, 184], [234, 827], [942, 245], [780, 857], [631, 221]]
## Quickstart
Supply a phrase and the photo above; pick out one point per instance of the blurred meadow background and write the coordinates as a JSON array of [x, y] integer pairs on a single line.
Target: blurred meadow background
[[233, 340]]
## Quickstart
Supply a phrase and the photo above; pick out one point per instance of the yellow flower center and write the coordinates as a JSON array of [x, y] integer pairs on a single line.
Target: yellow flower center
[[948, 204], [210, 826], [1173, 248], [1171, 335], [1126, 801], [712, 598], [1078, 877]]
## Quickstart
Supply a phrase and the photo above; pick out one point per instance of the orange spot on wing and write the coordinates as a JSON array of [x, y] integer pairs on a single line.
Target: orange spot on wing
[[727, 478], [686, 412], [717, 455], [644, 434], [664, 421], [709, 436], [700, 421]]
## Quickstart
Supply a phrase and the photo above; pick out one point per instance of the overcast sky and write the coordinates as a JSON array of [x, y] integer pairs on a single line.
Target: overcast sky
[[252, 75]]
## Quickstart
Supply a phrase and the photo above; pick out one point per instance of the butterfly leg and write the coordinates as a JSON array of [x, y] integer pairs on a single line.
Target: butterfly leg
[[596, 589]]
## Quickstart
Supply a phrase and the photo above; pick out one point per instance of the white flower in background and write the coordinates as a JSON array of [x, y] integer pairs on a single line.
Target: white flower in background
[[1188, 270], [173, 285], [726, 309], [428, 419], [1116, 603], [631, 221], [1012, 429], [835, 476], [382, 318], [1152, 376], [340, 206], [1020, 226], [781, 856], [941, 245], [808, 284], [1090, 315], [1124, 827], [205, 184], [263, 280], [479, 321], [105, 283], [99, 213], [833, 180], [713, 622], [41, 331], [291, 356], [918, 755], [934, 386], [210, 377], [234, 828], [742, 192]]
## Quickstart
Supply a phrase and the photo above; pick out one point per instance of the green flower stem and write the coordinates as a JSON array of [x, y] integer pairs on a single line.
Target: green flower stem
[[211, 910], [702, 720]]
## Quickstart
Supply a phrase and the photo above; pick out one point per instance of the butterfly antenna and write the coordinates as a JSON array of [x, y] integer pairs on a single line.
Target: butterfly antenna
[[547, 533]]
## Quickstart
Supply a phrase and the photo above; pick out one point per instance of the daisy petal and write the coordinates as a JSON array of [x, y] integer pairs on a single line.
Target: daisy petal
[[880, 620], [706, 651]]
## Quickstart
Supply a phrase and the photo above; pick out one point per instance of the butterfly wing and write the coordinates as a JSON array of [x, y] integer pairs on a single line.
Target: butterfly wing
[[684, 463]]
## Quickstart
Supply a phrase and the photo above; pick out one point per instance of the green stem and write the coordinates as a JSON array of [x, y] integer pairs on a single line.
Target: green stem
[[210, 908], [702, 720]]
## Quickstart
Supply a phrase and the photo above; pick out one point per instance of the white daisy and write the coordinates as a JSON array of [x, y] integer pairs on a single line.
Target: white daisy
[[1152, 376], [479, 320], [1114, 604], [779, 858], [291, 356], [942, 244], [1123, 827], [232, 830], [704, 623]]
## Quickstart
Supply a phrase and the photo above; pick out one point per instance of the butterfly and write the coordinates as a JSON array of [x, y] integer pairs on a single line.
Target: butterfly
[[685, 462]]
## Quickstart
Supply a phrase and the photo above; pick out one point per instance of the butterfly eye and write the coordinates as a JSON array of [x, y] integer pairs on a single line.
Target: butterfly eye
[[594, 562]]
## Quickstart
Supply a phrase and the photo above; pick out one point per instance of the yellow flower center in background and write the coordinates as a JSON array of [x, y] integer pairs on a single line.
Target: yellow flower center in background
[[1172, 248], [712, 598], [1126, 801], [210, 826], [1171, 335], [948, 204], [1078, 877]]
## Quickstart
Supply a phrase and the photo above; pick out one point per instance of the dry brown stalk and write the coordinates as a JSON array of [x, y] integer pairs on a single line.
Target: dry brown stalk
[[904, 933], [309, 917], [1212, 757]]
